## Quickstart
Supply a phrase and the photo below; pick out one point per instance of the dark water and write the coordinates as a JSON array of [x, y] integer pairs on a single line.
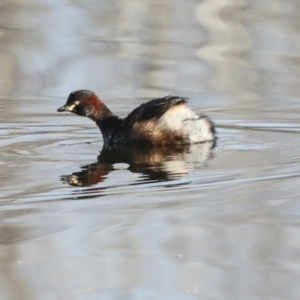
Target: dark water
[[209, 223]]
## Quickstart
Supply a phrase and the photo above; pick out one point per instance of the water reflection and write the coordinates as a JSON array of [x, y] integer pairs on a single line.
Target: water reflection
[[155, 164], [230, 231]]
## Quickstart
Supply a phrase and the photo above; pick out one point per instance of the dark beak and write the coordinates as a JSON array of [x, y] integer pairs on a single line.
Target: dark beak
[[63, 108]]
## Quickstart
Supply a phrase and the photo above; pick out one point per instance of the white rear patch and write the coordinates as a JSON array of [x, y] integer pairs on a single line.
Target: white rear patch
[[184, 121]]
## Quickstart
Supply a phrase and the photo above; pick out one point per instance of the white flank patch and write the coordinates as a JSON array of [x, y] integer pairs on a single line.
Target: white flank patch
[[183, 120], [173, 118], [198, 130]]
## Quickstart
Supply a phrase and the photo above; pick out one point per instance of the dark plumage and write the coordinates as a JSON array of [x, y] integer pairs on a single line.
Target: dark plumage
[[162, 121]]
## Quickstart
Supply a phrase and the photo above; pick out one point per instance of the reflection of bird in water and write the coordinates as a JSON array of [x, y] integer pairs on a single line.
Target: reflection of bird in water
[[163, 121], [155, 163]]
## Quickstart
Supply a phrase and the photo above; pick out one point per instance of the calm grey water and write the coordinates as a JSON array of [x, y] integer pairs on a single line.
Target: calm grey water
[[212, 223]]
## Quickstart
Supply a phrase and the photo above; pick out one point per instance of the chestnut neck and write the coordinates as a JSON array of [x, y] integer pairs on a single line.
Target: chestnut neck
[[108, 123], [101, 114], [94, 108]]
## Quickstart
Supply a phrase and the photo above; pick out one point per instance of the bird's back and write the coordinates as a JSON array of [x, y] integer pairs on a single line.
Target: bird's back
[[166, 121]]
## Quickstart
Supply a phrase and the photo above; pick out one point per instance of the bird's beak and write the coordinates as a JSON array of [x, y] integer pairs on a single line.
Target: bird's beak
[[66, 108], [63, 108]]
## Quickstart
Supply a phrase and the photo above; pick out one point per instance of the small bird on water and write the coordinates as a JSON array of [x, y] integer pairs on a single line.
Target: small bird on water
[[160, 122]]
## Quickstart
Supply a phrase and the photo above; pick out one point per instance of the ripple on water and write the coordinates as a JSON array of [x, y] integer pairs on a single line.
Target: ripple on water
[[68, 192], [84, 171]]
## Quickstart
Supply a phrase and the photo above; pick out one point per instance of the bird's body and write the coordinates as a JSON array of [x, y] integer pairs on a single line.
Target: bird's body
[[164, 121]]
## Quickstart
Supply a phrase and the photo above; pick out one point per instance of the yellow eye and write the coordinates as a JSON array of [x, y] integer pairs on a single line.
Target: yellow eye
[[76, 102]]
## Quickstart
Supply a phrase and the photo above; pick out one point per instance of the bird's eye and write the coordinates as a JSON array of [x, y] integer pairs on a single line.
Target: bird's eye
[[76, 102]]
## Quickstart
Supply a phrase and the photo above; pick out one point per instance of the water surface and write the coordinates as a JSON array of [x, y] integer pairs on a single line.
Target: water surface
[[212, 222]]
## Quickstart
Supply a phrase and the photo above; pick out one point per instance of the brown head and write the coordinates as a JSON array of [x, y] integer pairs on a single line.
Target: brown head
[[86, 103]]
